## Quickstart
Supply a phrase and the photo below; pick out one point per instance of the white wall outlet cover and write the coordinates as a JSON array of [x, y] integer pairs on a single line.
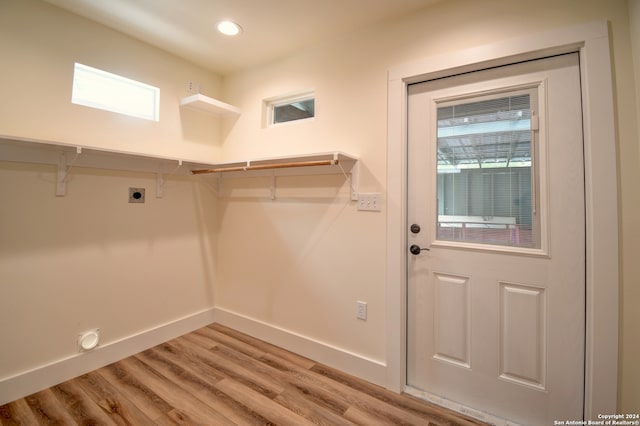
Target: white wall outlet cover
[[89, 340], [361, 312]]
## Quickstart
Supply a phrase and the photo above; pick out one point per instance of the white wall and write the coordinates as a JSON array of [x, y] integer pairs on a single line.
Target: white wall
[[90, 259], [39, 44], [350, 77], [295, 264]]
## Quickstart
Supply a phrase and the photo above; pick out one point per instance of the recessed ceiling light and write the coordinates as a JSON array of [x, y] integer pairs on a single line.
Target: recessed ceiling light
[[229, 28]]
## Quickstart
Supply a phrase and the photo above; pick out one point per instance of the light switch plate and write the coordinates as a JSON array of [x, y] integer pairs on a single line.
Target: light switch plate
[[370, 202]]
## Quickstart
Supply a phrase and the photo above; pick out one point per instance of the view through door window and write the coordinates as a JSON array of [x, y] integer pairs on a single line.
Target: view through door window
[[484, 161]]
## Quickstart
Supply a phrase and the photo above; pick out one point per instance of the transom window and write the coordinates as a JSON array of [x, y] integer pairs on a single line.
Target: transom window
[[100, 89], [284, 109]]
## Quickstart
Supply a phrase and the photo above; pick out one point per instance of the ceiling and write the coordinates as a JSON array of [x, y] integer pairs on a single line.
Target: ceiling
[[271, 28]]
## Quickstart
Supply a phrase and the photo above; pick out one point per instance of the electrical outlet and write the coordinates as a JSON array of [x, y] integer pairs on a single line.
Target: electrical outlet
[[370, 201], [193, 87], [136, 195], [361, 310]]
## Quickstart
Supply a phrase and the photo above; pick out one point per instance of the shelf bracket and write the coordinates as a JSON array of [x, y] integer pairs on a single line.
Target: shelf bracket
[[220, 185], [61, 177], [159, 185], [63, 172], [160, 180], [273, 187], [355, 181]]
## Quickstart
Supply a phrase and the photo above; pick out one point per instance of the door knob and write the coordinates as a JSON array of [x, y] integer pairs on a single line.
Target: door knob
[[416, 249], [415, 228]]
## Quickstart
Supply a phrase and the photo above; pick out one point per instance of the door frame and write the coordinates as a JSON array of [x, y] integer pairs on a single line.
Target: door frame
[[591, 41]]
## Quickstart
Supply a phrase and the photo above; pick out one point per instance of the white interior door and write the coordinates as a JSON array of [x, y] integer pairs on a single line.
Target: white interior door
[[496, 188]]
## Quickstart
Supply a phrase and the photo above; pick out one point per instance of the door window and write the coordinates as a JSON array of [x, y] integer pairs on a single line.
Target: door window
[[485, 170]]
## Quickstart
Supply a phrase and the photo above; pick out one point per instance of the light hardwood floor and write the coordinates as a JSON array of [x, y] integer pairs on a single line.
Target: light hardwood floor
[[219, 376]]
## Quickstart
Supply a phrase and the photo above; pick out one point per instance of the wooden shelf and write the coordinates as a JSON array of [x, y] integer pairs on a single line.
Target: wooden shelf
[[206, 104], [284, 164], [308, 164]]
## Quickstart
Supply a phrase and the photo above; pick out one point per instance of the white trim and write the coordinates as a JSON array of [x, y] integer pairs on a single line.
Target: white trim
[[26, 383], [19, 386], [592, 42], [366, 368]]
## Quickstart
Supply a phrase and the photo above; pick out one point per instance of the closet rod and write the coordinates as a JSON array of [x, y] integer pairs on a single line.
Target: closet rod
[[267, 166]]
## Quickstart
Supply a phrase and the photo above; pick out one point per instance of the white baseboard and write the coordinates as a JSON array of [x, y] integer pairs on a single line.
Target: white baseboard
[[365, 368], [26, 383]]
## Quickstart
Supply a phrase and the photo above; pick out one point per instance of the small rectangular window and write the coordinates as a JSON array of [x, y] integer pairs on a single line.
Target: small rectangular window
[[111, 92], [291, 108]]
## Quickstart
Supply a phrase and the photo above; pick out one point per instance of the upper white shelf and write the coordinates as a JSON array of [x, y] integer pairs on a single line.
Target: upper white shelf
[[48, 152], [67, 156], [204, 103]]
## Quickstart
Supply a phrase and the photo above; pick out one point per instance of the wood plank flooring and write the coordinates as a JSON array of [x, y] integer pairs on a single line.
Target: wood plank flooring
[[219, 376]]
